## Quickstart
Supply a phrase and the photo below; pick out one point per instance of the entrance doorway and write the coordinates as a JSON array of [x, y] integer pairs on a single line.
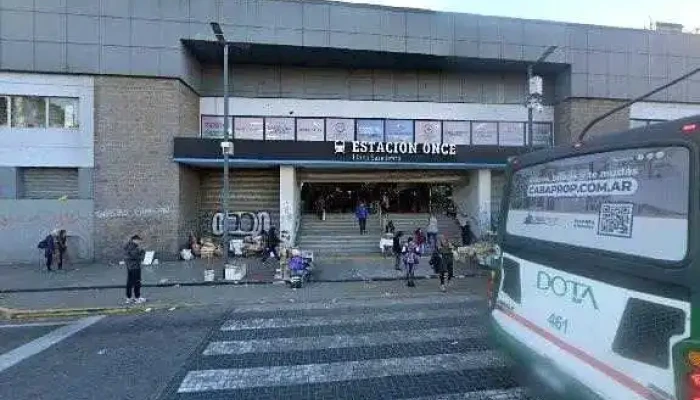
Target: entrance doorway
[[407, 197]]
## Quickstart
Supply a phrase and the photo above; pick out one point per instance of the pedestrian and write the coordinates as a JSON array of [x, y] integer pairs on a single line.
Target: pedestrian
[[272, 240], [467, 234], [390, 228], [419, 237], [361, 213], [134, 259], [445, 250], [49, 247], [432, 230], [410, 259], [396, 248], [61, 246]]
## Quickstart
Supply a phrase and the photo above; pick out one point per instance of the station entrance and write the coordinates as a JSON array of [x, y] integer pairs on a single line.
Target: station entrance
[[396, 198]]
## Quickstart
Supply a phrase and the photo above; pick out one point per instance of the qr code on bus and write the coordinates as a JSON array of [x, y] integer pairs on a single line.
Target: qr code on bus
[[615, 219]]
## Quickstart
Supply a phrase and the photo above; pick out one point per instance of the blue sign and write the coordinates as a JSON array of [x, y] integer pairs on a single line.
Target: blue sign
[[370, 130], [399, 130]]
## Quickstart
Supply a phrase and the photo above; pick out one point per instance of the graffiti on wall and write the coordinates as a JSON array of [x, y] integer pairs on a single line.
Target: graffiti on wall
[[136, 212], [241, 223]]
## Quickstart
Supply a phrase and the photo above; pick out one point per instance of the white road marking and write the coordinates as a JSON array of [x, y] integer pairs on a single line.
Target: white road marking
[[34, 324], [268, 323], [38, 345], [355, 303], [517, 393], [228, 379], [343, 341]]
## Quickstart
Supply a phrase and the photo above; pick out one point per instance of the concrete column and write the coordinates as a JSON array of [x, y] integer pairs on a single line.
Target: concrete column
[[483, 201], [472, 196], [9, 183], [288, 200]]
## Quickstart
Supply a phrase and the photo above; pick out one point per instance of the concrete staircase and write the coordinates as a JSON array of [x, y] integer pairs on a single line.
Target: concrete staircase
[[339, 234], [408, 223]]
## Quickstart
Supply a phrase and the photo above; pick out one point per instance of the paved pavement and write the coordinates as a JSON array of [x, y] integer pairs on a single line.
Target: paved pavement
[[358, 340], [37, 278], [225, 295]]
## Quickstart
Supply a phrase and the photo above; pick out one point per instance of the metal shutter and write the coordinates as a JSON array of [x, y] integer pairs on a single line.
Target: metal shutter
[[250, 190], [49, 183]]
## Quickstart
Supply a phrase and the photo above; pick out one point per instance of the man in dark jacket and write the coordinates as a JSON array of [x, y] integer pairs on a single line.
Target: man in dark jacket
[[133, 258], [272, 240], [49, 247], [396, 247]]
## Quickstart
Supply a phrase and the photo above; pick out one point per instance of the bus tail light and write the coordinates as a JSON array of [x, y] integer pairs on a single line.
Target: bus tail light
[[689, 128], [693, 389]]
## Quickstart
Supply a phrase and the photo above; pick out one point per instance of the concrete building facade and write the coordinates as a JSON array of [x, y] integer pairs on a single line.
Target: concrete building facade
[[111, 110]]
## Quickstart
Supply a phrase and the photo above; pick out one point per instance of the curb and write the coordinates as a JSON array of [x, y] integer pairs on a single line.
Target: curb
[[229, 283], [18, 314]]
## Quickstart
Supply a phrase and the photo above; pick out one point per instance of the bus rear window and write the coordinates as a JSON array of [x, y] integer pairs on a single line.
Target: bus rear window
[[627, 201]]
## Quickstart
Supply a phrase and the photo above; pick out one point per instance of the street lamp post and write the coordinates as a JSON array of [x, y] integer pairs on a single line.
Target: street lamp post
[[226, 144], [531, 98]]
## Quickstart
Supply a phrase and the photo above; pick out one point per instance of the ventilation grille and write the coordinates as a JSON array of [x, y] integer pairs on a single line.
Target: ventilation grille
[[645, 331], [511, 279]]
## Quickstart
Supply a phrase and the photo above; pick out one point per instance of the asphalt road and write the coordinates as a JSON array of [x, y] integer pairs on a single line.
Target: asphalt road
[[427, 346]]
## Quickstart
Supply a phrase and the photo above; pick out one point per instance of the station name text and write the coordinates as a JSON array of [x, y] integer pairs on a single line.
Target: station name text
[[443, 149]]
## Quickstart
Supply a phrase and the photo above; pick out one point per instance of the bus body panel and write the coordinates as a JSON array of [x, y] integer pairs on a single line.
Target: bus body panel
[[573, 321]]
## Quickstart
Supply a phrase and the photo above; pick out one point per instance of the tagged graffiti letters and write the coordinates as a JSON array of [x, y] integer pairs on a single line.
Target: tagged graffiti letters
[[241, 223]]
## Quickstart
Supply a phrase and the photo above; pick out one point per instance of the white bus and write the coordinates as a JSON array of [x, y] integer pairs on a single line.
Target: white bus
[[596, 293]]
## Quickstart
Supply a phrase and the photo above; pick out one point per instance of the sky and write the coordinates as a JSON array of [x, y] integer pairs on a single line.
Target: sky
[[622, 13]]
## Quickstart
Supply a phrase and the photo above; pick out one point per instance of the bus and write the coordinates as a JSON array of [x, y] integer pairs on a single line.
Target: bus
[[595, 288]]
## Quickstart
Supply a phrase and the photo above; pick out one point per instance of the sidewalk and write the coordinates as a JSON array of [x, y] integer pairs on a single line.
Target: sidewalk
[[167, 273], [32, 278]]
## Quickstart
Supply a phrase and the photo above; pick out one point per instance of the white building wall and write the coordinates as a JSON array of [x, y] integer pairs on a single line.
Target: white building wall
[[472, 197], [663, 111], [370, 109], [49, 147]]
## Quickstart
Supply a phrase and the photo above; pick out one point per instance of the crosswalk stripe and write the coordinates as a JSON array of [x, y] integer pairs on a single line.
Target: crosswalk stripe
[[354, 303], [517, 393], [270, 323], [231, 379], [289, 344]]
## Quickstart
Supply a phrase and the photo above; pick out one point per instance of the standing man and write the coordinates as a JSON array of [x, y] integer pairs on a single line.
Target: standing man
[[133, 260], [49, 247], [463, 220], [361, 213]]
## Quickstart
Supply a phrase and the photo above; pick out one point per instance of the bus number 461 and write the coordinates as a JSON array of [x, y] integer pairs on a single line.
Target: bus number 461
[[559, 323]]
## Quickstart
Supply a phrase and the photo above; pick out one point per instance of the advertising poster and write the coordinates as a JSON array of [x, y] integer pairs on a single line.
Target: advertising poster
[[616, 201], [456, 132], [213, 126], [399, 130], [485, 133], [370, 130], [279, 129], [428, 132], [511, 134], [248, 128], [340, 129], [310, 129]]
